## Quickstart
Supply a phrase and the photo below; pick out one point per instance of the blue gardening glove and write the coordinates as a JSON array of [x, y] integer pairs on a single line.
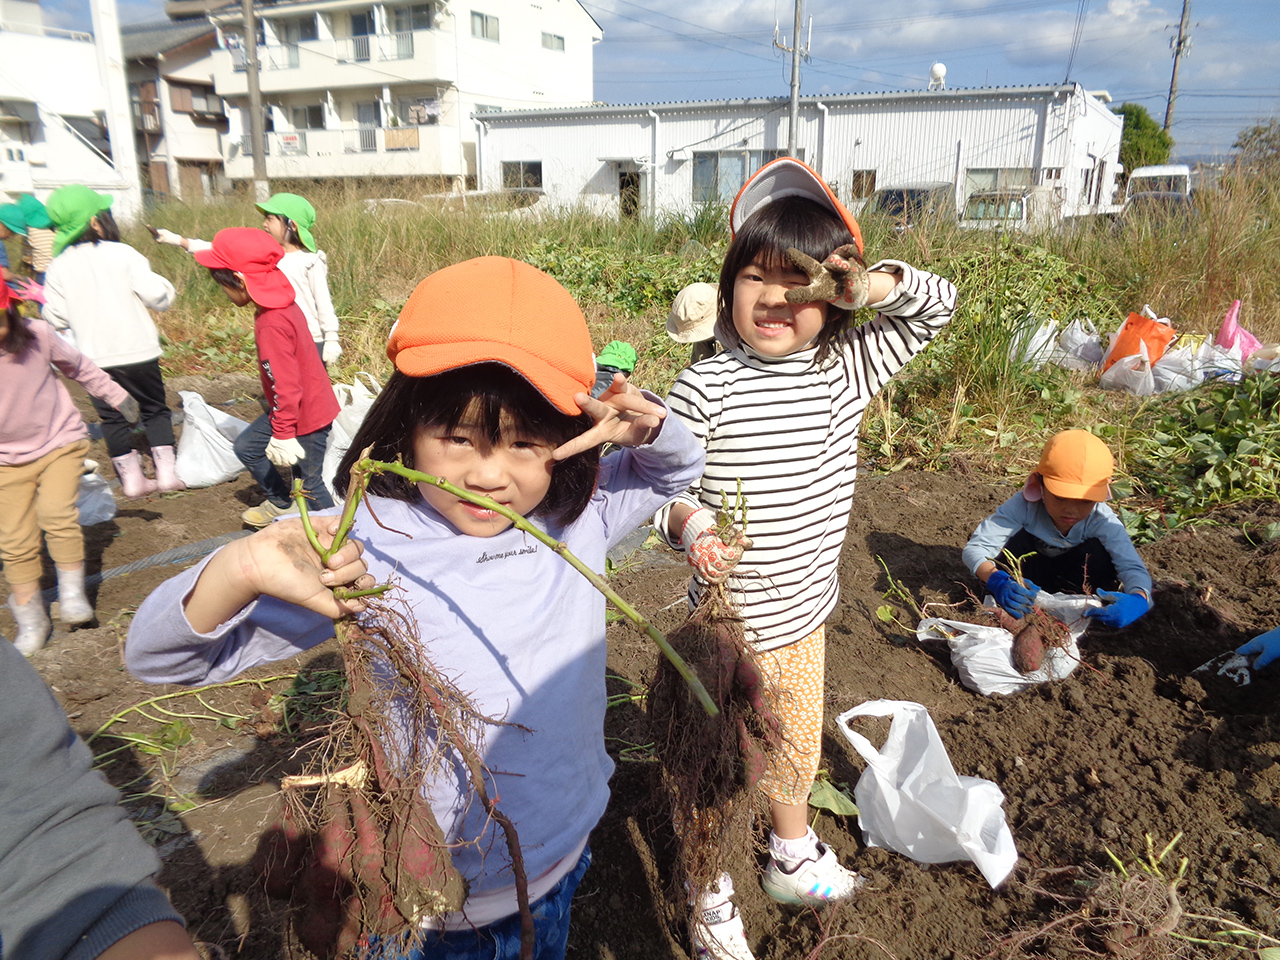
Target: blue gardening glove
[[1012, 595], [1123, 609], [1266, 646]]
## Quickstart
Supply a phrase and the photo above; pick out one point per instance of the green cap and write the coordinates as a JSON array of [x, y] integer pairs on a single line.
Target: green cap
[[33, 212], [11, 216], [296, 209], [618, 354], [71, 208]]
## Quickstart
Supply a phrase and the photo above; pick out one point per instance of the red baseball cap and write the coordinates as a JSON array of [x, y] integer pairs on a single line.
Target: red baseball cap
[[255, 256], [500, 310], [788, 177]]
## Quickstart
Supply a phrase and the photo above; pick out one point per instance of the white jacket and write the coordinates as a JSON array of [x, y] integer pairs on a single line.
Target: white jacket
[[102, 292]]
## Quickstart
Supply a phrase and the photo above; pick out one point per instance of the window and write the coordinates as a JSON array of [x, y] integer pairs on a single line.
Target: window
[[310, 117], [484, 27], [862, 183], [488, 108], [417, 17], [553, 42], [204, 100], [997, 178], [719, 176], [295, 31], [522, 174]]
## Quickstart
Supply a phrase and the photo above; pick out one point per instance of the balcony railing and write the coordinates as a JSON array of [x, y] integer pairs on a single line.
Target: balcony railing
[[362, 49], [361, 138], [146, 115]]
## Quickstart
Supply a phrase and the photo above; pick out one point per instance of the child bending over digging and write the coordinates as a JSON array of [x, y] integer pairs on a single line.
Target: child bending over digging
[[491, 393], [1062, 535], [779, 411]]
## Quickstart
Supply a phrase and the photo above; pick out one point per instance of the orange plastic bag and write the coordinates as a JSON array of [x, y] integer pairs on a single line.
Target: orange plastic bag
[[1134, 332]]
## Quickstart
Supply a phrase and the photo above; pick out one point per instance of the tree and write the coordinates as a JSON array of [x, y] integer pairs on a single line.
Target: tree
[[1259, 145], [1142, 141]]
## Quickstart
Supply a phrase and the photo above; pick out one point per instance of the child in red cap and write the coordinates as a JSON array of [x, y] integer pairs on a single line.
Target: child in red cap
[[1067, 537], [490, 391], [301, 403]]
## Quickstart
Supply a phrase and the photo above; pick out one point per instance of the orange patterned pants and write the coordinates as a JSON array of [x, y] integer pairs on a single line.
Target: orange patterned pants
[[797, 672]]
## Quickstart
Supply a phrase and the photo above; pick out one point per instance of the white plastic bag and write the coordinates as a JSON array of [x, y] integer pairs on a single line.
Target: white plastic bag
[[1130, 375], [1034, 344], [205, 452], [94, 500], [983, 655], [355, 398], [911, 801], [1079, 347], [1177, 370]]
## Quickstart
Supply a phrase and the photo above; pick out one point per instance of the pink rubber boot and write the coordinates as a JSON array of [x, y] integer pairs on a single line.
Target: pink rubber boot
[[167, 478], [133, 481]]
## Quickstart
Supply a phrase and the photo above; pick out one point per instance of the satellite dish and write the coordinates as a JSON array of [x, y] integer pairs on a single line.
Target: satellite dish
[[938, 76]]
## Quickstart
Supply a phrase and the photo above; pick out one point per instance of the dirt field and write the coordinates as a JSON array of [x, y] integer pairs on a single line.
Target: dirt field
[[1128, 746]]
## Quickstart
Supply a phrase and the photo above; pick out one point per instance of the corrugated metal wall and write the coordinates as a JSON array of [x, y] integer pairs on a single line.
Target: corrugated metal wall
[[903, 139]]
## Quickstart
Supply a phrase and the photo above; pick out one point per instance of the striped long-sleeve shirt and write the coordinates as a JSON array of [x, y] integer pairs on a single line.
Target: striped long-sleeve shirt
[[788, 429]]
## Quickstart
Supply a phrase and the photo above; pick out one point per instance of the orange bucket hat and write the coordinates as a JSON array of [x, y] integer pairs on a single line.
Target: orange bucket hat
[[497, 310], [787, 177], [1074, 465]]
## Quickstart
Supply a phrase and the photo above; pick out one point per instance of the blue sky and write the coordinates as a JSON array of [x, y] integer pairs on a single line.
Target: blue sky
[[665, 50]]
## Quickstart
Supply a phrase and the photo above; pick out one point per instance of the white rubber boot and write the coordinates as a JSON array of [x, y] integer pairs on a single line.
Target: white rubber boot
[[73, 605], [33, 625], [167, 478], [133, 481]]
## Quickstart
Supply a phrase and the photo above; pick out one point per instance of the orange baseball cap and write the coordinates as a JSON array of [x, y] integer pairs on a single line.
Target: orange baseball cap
[[255, 256], [500, 310], [788, 177], [1076, 465]]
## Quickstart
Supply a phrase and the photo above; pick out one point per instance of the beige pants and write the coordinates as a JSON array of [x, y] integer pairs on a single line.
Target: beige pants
[[797, 671], [36, 496]]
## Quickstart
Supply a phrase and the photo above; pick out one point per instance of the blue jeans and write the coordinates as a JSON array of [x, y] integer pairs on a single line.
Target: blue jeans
[[501, 940], [251, 448]]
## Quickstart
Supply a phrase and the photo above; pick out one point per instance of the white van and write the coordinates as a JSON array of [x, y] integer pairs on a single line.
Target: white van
[[1162, 178]]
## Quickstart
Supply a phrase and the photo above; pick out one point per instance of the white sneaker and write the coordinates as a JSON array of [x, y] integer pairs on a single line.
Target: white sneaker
[[718, 934], [813, 882]]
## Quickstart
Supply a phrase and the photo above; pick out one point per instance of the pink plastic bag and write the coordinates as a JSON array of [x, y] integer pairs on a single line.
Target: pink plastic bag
[[1232, 335]]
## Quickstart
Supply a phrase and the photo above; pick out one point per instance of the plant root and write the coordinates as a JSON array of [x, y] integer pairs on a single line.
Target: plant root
[[710, 766]]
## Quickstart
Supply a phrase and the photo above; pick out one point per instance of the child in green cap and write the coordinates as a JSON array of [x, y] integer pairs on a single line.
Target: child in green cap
[[289, 219], [618, 356], [101, 289]]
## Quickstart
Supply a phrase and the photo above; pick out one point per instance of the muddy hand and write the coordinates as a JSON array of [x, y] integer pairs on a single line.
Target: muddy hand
[[840, 279]]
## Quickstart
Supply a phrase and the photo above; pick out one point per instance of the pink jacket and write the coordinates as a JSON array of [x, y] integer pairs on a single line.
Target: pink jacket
[[37, 415]]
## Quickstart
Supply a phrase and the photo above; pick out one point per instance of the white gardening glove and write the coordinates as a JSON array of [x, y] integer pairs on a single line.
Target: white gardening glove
[[285, 453], [711, 558], [330, 352], [171, 238]]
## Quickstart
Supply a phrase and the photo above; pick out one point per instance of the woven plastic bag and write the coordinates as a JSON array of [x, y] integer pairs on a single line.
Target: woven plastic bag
[[206, 455], [911, 801]]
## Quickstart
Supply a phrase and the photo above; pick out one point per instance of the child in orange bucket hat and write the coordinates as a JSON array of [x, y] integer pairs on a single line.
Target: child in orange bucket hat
[[491, 386], [1068, 537]]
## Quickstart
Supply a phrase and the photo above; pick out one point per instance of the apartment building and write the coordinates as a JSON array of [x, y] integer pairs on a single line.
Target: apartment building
[[178, 119], [353, 88]]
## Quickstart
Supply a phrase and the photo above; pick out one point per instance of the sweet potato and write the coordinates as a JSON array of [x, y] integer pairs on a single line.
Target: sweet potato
[[1028, 647]]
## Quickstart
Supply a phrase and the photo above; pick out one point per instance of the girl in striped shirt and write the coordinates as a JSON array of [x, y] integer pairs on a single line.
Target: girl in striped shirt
[[779, 411]]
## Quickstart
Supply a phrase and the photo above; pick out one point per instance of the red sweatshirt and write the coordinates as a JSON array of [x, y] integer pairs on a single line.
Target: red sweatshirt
[[299, 394]]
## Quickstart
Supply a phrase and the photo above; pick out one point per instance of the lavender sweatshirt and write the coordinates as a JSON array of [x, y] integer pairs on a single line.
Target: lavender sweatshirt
[[37, 415], [505, 618]]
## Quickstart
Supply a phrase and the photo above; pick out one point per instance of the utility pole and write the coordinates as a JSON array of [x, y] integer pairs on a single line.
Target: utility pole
[[1180, 46], [257, 135], [111, 68], [796, 53]]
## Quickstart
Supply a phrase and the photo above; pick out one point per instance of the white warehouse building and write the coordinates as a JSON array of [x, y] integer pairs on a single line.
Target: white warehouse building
[[671, 157]]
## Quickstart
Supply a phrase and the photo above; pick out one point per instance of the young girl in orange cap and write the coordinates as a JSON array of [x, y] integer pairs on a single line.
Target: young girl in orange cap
[[778, 411], [491, 386], [1067, 537]]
